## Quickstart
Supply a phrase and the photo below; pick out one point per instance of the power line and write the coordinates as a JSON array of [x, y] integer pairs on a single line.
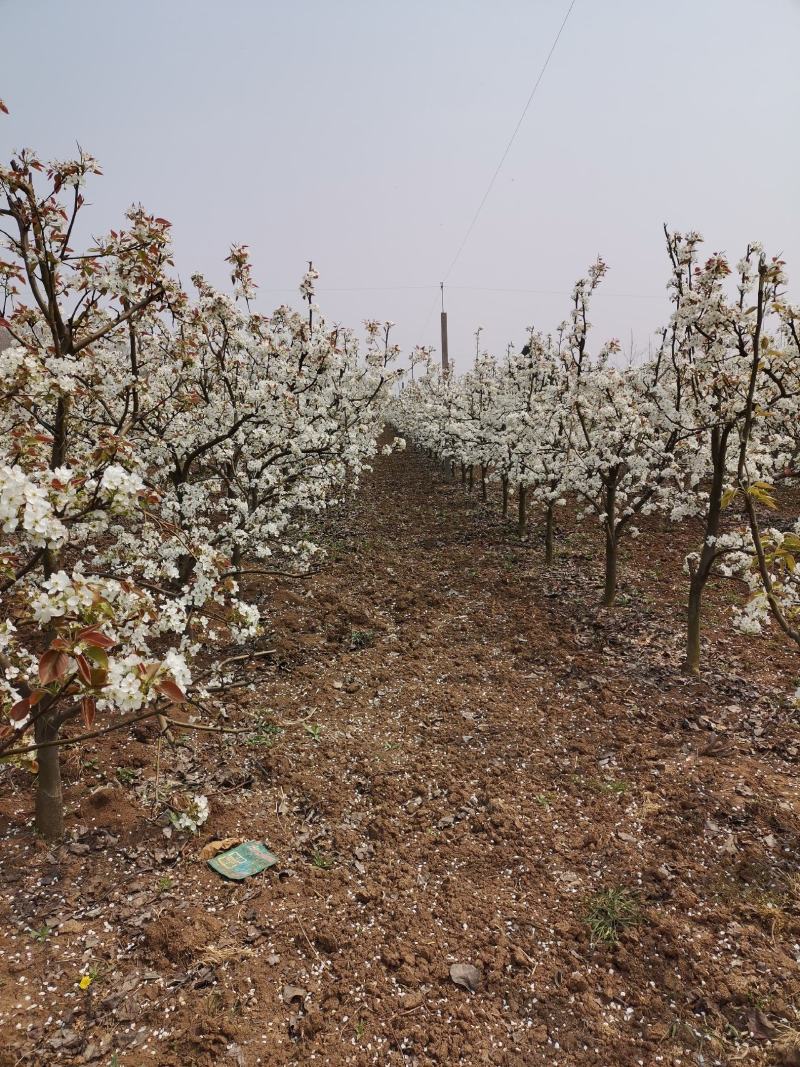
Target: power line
[[436, 286], [513, 137], [558, 292]]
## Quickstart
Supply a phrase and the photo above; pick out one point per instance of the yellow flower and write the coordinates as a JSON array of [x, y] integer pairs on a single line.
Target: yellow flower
[[85, 982]]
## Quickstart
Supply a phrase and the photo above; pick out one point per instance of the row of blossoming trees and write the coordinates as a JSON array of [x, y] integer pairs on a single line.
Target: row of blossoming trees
[[707, 428], [157, 447]]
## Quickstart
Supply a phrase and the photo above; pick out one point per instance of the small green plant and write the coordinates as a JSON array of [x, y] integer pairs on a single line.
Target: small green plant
[[164, 883], [314, 730], [264, 735], [126, 775], [612, 785], [42, 933], [610, 912], [319, 859], [360, 1028], [544, 800], [361, 639]]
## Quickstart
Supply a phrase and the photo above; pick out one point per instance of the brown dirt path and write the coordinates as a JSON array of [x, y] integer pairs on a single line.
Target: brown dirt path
[[483, 751]]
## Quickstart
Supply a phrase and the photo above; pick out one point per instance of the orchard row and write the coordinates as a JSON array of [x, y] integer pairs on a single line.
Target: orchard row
[[159, 449], [709, 427]]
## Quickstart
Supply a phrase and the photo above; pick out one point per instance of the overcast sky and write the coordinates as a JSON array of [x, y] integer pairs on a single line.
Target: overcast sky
[[362, 134]]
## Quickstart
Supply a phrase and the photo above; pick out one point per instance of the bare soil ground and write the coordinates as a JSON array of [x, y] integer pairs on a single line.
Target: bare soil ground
[[456, 756]]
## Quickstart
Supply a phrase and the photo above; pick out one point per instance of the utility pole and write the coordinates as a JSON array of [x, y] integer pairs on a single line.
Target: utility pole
[[445, 359]]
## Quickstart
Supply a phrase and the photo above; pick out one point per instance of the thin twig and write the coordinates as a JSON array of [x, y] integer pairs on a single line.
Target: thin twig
[[246, 655], [209, 729], [81, 737], [305, 935]]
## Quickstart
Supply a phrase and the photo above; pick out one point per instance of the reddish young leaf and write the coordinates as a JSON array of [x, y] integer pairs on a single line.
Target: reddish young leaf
[[84, 670], [148, 671], [20, 709], [96, 638], [88, 707], [53, 665], [170, 689]]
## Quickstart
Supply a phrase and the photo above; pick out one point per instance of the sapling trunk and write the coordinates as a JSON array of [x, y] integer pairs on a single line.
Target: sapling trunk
[[483, 482], [504, 482], [471, 477], [522, 509], [693, 624], [612, 540], [705, 565], [463, 474], [697, 584], [610, 588], [549, 523], [49, 801]]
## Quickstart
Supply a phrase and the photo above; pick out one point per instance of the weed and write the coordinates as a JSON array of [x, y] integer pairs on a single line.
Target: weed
[[319, 859], [610, 912], [42, 933], [313, 729], [126, 775], [264, 735], [361, 639], [360, 1028], [612, 785], [544, 800], [164, 883]]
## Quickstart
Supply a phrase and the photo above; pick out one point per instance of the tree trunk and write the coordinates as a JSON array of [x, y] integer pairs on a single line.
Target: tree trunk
[[483, 482], [610, 590], [696, 587], [505, 495], [548, 536], [612, 540], [463, 474], [49, 802], [705, 565], [471, 477], [522, 508]]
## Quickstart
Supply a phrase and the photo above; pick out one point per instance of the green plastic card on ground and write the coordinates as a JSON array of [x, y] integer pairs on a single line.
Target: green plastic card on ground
[[251, 857]]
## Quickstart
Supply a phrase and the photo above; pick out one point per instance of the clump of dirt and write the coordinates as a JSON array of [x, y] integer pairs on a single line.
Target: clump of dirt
[[466, 766]]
